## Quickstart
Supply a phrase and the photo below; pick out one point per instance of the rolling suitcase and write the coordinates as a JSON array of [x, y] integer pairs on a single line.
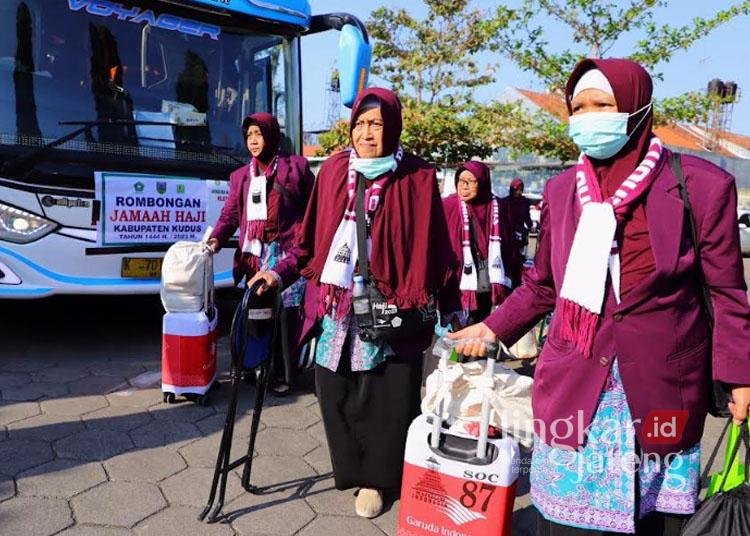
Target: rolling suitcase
[[454, 484], [188, 359]]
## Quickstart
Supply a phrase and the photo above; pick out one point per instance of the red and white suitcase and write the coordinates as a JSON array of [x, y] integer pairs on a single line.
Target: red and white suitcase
[[455, 484], [188, 356]]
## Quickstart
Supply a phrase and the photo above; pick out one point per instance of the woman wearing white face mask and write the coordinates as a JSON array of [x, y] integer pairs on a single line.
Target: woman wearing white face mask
[[630, 347]]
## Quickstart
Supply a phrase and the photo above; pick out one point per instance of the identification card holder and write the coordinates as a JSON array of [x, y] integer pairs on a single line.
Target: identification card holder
[[257, 208]]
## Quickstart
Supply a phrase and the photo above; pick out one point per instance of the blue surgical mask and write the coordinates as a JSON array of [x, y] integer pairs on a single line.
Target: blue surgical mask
[[602, 135], [375, 167]]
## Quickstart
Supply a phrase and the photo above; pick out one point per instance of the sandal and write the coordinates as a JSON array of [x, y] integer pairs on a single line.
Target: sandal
[[281, 389], [369, 503]]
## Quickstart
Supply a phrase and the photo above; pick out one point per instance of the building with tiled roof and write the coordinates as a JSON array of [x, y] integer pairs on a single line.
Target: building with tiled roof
[[678, 136], [726, 149]]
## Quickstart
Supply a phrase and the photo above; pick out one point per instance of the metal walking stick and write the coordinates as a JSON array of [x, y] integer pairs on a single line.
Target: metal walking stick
[[259, 325]]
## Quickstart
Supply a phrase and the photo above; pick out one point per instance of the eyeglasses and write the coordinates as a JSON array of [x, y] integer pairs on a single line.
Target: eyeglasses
[[375, 126], [463, 182]]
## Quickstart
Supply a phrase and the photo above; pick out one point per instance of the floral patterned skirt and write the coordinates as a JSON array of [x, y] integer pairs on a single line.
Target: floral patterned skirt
[[594, 487]]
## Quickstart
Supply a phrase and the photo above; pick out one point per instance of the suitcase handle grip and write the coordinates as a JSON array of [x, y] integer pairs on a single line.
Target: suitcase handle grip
[[208, 285]]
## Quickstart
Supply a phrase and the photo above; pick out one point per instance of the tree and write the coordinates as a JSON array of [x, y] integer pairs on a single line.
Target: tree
[[596, 26], [434, 65], [335, 139]]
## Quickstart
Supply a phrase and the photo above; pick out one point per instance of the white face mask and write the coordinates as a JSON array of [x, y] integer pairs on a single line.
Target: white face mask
[[602, 135]]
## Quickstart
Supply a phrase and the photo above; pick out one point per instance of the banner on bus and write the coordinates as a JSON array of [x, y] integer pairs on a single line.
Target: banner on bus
[[149, 209]]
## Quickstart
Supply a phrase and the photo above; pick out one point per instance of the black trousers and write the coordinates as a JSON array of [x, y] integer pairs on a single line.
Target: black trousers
[[285, 360], [366, 416]]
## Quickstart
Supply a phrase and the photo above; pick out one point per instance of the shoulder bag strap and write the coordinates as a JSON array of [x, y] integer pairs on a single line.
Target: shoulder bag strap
[[475, 249], [705, 293], [364, 261]]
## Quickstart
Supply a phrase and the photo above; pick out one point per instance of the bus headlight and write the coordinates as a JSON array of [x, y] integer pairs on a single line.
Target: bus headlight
[[21, 227]]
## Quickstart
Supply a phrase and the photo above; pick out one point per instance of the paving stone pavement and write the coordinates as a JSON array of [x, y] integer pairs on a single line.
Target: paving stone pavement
[[88, 448], [79, 464], [110, 458]]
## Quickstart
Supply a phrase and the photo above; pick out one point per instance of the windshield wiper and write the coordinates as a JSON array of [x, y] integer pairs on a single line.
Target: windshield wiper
[[215, 149], [19, 162]]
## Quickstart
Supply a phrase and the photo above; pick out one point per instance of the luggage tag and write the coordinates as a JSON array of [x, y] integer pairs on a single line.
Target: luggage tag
[[257, 207]]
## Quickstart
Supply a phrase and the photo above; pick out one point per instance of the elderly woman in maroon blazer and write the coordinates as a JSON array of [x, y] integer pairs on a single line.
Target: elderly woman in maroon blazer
[[474, 227], [626, 371], [369, 390], [267, 199]]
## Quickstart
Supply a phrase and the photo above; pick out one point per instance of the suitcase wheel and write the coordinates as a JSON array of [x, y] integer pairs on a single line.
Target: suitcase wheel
[[169, 398], [201, 400]]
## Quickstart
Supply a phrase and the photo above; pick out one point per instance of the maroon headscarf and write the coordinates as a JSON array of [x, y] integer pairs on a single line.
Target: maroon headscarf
[[515, 184], [632, 87], [480, 208], [480, 212], [407, 259], [517, 211], [390, 109], [271, 131]]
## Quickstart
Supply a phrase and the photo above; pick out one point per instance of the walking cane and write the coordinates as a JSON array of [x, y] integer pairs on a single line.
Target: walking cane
[[242, 321]]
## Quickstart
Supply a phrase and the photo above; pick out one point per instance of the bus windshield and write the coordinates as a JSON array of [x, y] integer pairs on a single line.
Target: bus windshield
[[74, 61]]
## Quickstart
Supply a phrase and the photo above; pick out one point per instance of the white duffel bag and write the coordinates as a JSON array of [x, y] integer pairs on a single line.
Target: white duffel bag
[[187, 277]]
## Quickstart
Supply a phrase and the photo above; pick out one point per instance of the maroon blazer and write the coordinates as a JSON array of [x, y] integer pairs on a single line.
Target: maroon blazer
[[294, 175], [658, 332]]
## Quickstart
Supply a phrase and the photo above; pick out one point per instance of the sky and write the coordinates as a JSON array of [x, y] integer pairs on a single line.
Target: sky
[[723, 54]]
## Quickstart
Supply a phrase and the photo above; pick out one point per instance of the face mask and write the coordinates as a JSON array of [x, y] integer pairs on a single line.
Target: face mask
[[375, 167], [601, 135]]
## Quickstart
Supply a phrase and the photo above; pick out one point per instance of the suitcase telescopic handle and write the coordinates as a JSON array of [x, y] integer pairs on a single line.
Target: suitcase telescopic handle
[[208, 284], [484, 418], [437, 417]]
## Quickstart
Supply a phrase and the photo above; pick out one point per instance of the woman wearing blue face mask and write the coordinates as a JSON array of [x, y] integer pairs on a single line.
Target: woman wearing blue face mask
[[621, 386]]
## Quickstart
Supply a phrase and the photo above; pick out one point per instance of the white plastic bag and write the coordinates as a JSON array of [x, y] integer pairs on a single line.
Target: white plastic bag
[[463, 387], [186, 277], [527, 346]]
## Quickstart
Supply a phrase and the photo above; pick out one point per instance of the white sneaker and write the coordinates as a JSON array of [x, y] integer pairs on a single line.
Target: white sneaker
[[369, 503]]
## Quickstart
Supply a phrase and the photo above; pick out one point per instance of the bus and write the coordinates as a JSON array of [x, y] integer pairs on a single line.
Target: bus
[[120, 123]]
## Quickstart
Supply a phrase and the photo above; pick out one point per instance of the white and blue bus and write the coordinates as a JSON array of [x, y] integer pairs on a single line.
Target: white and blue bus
[[120, 122]]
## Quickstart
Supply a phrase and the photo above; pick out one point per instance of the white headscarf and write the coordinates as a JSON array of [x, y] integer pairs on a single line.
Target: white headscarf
[[593, 79]]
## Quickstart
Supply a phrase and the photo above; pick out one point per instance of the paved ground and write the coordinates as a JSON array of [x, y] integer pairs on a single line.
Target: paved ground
[[88, 448]]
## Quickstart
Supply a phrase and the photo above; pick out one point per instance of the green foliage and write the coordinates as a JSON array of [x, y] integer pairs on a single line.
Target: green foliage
[[444, 134], [335, 139], [510, 126], [432, 63], [595, 26], [432, 60]]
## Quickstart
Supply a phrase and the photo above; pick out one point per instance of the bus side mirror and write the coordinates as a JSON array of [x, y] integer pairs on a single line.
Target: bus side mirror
[[354, 63]]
